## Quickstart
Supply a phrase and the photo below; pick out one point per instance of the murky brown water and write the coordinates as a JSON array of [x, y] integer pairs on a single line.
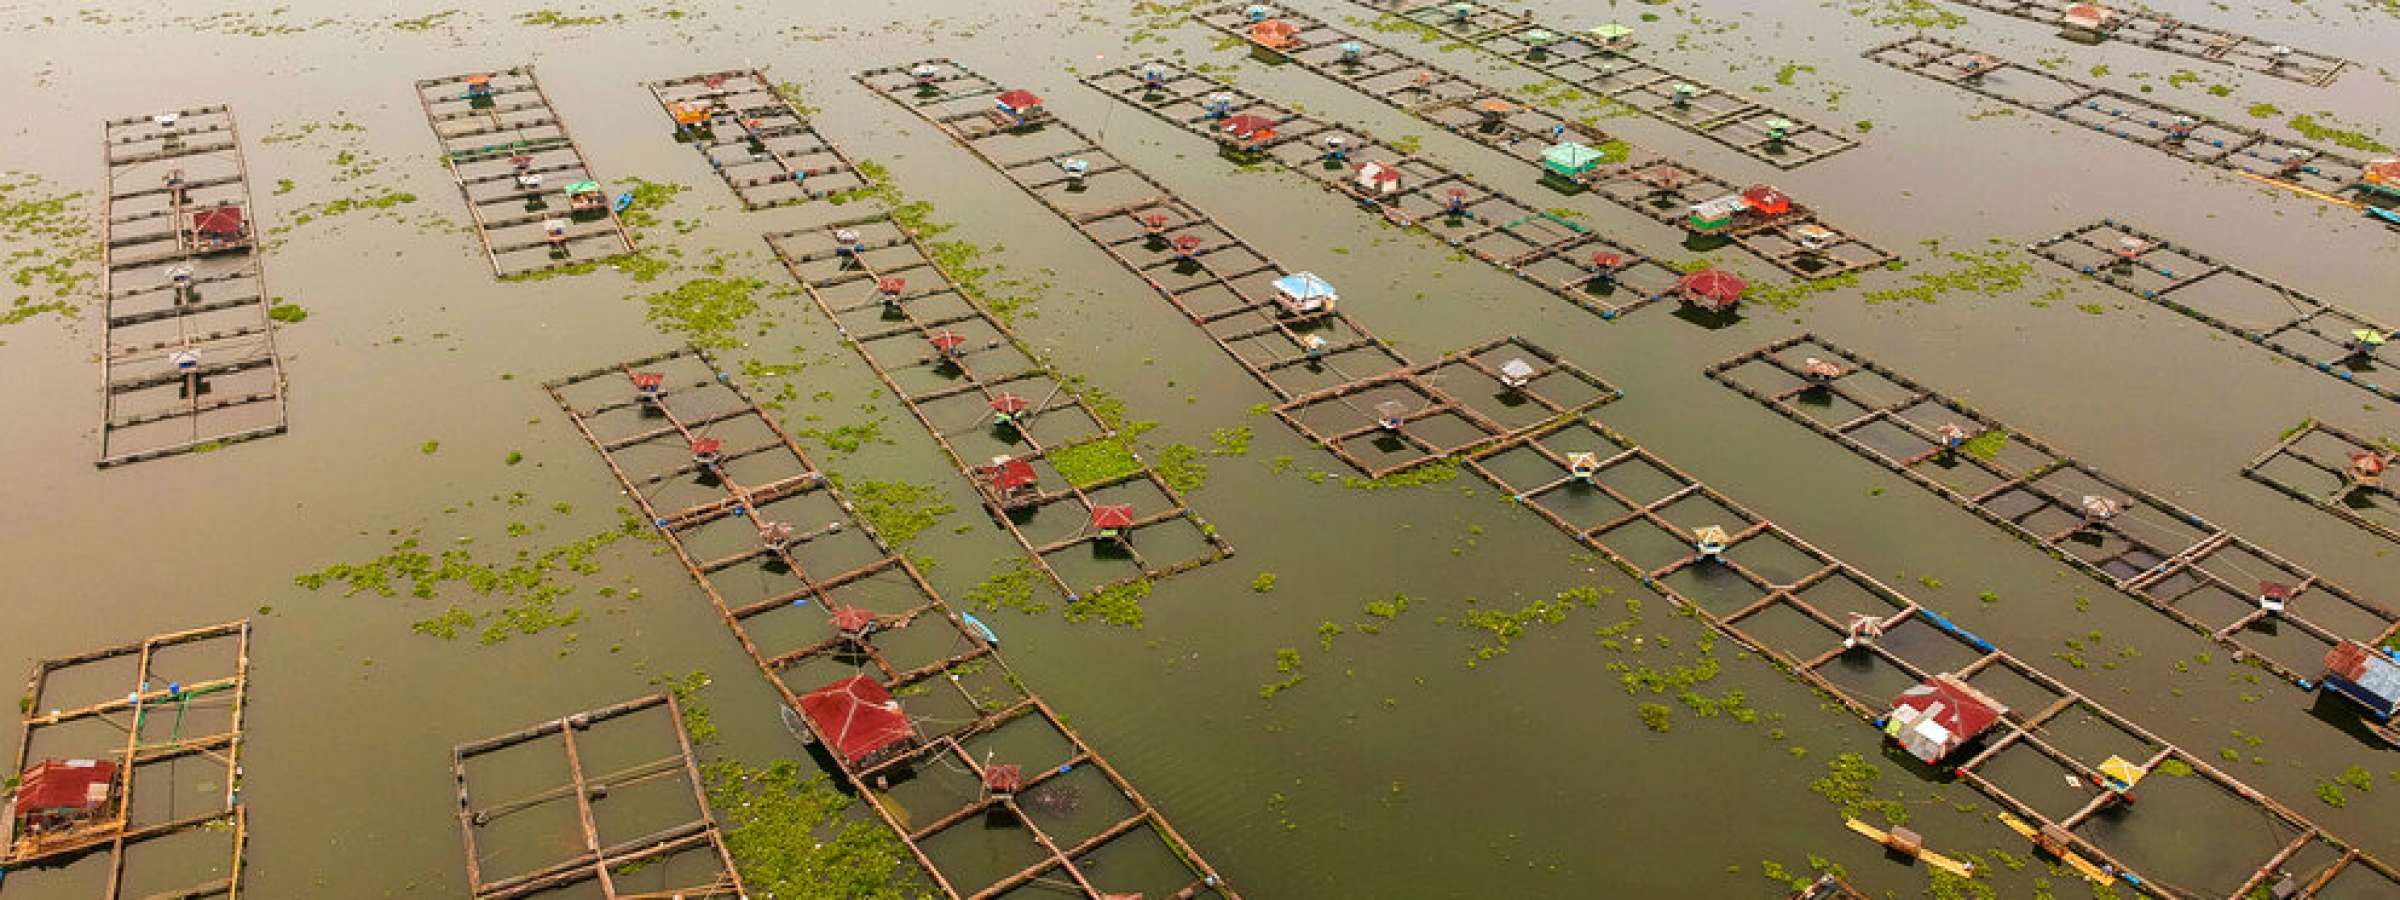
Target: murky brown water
[[1395, 768]]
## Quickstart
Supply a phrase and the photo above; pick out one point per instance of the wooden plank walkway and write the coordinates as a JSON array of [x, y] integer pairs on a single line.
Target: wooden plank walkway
[[199, 677], [2165, 33], [513, 161], [755, 138], [783, 556], [990, 400], [2144, 545], [1333, 380], [2344, 473], [189, 361], [1639, 81], [1799, 242], [2315, 171], [2231, 299], [662, 847], [1797, 605]]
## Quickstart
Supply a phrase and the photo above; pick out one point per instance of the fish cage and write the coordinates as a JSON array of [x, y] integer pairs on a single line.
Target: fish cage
[[755, 138], [608, 799], [2262, 606], [536, 202], [189, 359], [128, 773], [2336, 470]]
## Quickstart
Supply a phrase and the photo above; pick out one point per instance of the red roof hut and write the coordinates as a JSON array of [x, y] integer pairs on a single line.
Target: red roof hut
[[1019, 101], [1002, 781], [1249, 130], [1715, 290], [64, 793], [1765, 201], [853, 621], [947, 342], [1008, 479], [220, 225], [857, 718], [1274, 34], [1112, 518], [1939, 716]]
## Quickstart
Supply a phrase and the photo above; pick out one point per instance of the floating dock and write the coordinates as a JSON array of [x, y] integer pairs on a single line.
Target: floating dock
[[1533, 243], [2225, 297], [182, 700], [189, 361], [1640, 82], [535, 200], [623, 852], [2200, 574], [2164, 33], [821, 603], [1798, 241], [1333, 380], [1800, 607], [2317, 172], [755, 138], [2338, 471], [992, 403]]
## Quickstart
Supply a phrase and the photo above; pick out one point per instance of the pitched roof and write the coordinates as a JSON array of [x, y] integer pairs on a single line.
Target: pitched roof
[[1955, 712], [1010, 474], [857, 717], [1009, 403], [218, 220], [1118, 515], [852, 618], [1020, 99], [1714, 284], [76, 784]]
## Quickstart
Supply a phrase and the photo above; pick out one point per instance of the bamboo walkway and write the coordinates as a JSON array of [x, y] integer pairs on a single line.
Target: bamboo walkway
[[2228, 298], [755, 139], [2144, 545], [1794, 603], [2166, 34], [174, 680], [1799, 242], [2319, 464], [2309, 170], [513, 160], [1573, 58], [1333, 380], [783, 555], [1536, 245], [189, 360], [988, 399], [663, 847]]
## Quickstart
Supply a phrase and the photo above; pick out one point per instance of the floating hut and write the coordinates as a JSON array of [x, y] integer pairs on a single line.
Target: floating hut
[[1020, 106], [479, 86], [2088, 18], [1114, 521], [1816, 370], [220, 228], [1570, 160], [1605, 264], [689, 118], [1378, 179], [2364, 341], [1583, 464], [1460, 12], [2366, 468], [1611, 36], [1301, 293], [1537, 40], [854, 622], [586, 196], [2117, 776], [1493, 110], [708, 451], [1516, 373], [1274, 34], [646, 385], [1812, 236], [1003, 781], [1715, 214], [1007, 408], [858, 719], [1939, 716], [947, 344], [2369, 677], [1391, 414], [2273, 596], [1009, 481], [1766, 201], [1246, 132], [1710, 541], [2097, 509], [1714, 290], [555, 231], [61, 796]]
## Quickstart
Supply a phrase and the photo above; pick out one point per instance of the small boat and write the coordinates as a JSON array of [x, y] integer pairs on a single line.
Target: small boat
[[624, 201], [2388, 215], [989, 636]]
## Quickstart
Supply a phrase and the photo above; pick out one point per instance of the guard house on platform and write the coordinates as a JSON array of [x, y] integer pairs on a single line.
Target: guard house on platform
[[1019, 108], [1711, 290], [59, 798], [1571, 161], [1009, 482], [2369, 677], [858, 720], [220, 228], [1939, 716], [1303, 293]]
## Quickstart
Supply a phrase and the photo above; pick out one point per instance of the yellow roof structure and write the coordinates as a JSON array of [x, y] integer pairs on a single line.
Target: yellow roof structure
[[1709, 534], [2116, 768]]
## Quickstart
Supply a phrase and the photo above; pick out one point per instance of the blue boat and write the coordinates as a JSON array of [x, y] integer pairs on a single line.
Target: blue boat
[[986, 630], [624, 201], [2387, 214]]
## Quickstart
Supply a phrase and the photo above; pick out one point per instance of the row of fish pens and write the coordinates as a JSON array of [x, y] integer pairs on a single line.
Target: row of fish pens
[[2165, 33], [189, 361], [1600, 61], [2318, 172], [2263, 607], [1000, 411], [2290, 322], [534, 198], [2336, 470], [1564, 150], [1801, 607], [907, 697], [1335, 382]]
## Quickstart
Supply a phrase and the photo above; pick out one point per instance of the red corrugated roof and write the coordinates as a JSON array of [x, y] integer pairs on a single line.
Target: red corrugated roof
[[1013, 474], [1010, 404], [857, 717], [1020, 100], [67, 784], [947, 341], [1767, 200], [1964, 711], [1005, 778], [1113, 516], [648, 379], [1715, 284], [222, 220], [852, 618]]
